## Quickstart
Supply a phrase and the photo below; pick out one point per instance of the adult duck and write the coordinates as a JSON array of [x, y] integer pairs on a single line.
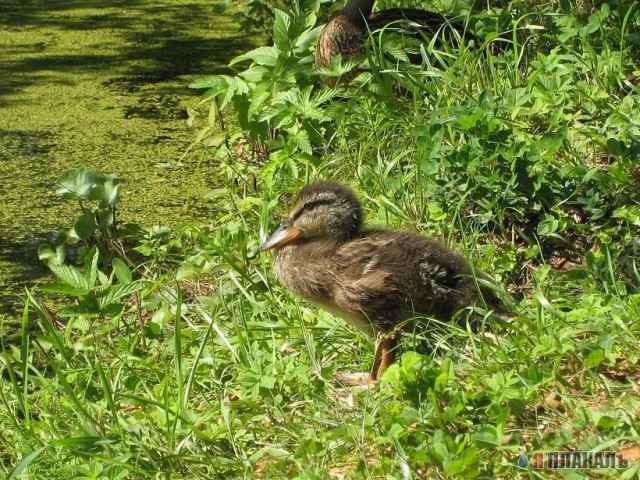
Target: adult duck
[[346, 33]]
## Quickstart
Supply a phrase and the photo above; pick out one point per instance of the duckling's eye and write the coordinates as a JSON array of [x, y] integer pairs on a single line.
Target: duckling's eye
[[311, 204]]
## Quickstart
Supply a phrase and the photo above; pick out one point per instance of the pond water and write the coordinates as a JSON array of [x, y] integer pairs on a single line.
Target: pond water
[[102, 85]]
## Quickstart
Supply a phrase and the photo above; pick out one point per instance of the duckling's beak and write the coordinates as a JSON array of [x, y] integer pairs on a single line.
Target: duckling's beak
[[285, 234]]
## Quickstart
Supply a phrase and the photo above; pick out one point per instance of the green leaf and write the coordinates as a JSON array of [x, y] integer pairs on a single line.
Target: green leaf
[[486, 436], [267, 382], [548, 225], [24, 463], [281, 25], [115, 293], [594, 358], [466, 122], [187, 271], [71, 276], [87, 444], [52, 255], [262, 56], [86, 307], [549, 143], [121, 271], [63, 289], [216, 83], [107, 192], [105, 219], [77, 183], [615, 147], [91, 267], [85, 225], [306, 38]]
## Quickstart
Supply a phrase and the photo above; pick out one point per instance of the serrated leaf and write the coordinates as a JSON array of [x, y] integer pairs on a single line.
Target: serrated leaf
[[216, 83], [262, 56], [121, 271], [91, 264], [115, 293], [82, 323], [85, 308], [70, 276], [302, 142], [254, 74], [63, 289], [281, 26]]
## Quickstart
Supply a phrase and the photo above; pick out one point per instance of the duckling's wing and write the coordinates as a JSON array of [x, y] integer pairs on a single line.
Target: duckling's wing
[[363, 257], [366, 281]]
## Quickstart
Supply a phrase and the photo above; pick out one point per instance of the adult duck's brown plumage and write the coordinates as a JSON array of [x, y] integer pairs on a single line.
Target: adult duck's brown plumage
[[375, 279], [346, 33]]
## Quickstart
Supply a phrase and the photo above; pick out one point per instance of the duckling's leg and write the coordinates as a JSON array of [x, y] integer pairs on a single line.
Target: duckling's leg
[[386, 343], [385, 353]]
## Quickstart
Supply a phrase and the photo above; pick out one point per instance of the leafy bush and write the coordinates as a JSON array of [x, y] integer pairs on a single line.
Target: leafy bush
[[97, 196]]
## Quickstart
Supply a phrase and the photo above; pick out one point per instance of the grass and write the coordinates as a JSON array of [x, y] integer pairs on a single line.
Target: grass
[[524, 161]]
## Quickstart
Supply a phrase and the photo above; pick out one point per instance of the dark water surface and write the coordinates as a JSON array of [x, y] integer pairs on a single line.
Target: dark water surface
[[103, 85]]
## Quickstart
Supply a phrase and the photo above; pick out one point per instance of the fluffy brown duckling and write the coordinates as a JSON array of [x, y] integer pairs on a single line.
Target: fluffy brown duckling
[[377, 280], [346, 33]]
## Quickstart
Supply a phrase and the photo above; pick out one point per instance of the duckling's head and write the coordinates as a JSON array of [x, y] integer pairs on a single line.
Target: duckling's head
[[323, 209]]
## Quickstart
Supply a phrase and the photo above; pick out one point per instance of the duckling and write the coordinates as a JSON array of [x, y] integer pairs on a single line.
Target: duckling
[[346, 33], [377, 280]]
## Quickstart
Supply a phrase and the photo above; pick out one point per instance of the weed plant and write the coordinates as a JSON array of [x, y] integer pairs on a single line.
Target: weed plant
[[182, 358]]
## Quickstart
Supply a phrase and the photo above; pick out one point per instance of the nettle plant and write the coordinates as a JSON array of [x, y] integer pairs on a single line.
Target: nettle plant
[[280, 116]]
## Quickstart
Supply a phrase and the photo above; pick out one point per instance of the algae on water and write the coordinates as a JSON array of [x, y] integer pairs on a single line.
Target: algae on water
[[104, 87]]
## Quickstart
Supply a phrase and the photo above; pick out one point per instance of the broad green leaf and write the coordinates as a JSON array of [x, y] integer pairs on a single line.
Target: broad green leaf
[[595, 358], [255, 73], [105, 219], [267, 381], [85, 225], [615, 146], [548, 225], [107, 192], [77, 183], [486, 436], [306, 38], [186, 271]]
